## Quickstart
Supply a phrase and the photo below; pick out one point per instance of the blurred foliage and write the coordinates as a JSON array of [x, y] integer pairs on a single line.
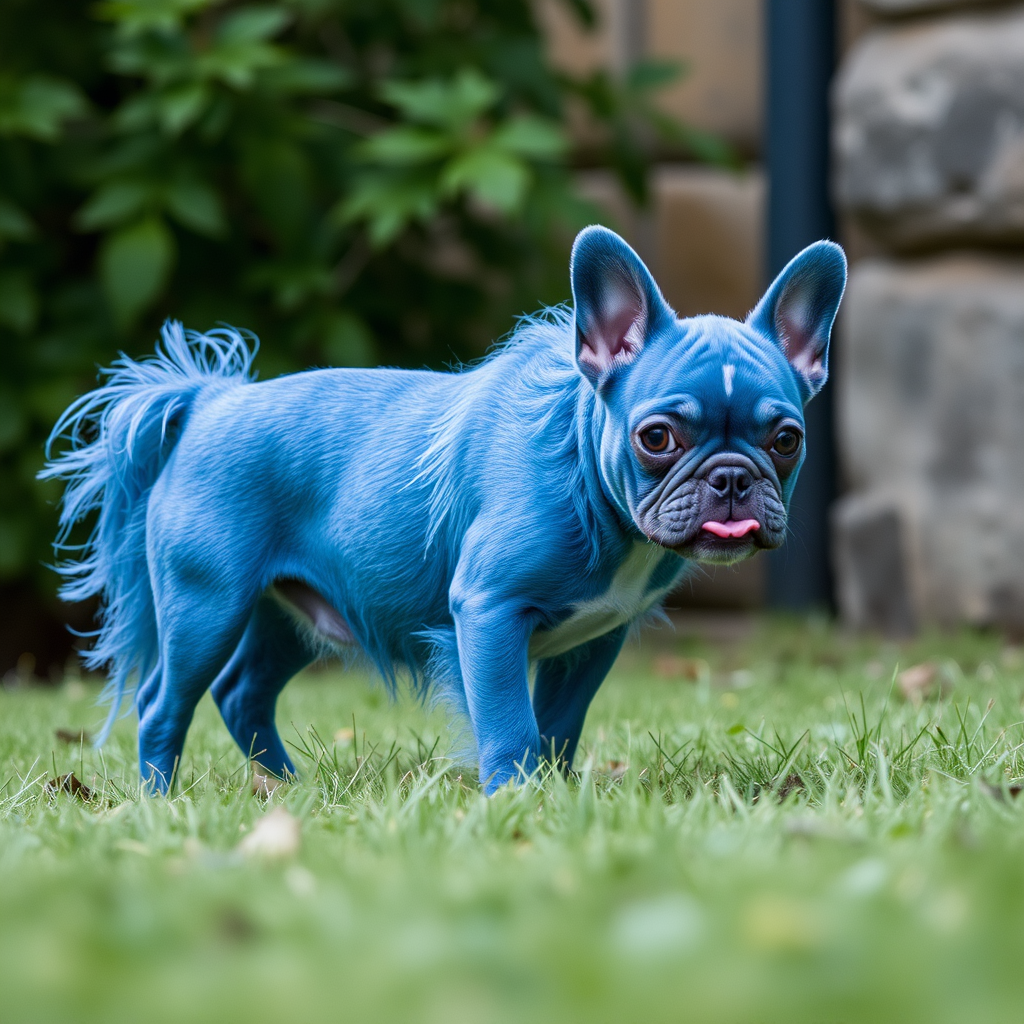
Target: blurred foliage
[[632, 123], [357, 181]]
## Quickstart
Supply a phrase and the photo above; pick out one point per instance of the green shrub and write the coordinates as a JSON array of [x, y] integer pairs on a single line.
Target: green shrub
[[357, 181]]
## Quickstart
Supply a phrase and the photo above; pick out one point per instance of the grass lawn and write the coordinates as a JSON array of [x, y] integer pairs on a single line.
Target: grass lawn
[[761, 830]]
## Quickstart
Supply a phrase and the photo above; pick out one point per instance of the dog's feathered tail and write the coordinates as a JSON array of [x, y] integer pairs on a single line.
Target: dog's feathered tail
[[119, 438]]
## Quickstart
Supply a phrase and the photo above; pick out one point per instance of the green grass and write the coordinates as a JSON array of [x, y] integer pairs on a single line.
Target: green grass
[[783, 839]]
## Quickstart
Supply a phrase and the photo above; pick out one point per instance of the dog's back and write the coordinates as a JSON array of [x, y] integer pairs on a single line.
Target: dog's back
[[311, 477]]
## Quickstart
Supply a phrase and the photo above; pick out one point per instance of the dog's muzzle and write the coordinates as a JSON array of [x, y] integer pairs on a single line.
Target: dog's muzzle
[[723, 510]]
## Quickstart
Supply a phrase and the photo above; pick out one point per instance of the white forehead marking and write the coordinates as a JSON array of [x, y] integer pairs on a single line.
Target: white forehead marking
[[728, 372]]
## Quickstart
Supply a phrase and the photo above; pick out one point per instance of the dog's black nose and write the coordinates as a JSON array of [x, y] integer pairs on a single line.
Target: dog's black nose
[[730, 482]]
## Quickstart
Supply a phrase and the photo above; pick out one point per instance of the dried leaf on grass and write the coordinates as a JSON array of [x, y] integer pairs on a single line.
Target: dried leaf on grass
[[75, 736], [264, 783], [69, 784], [275, 836], [792, 783], [672, 666], [920, 682], [236, 926], [1012, 790]]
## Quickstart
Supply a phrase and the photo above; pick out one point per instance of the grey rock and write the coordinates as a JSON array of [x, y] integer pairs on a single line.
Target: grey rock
[[874, 590], [930, 393], [929, 131]]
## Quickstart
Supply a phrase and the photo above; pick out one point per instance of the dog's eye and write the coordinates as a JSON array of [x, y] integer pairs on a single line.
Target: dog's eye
[[786, 443], [658, 439]]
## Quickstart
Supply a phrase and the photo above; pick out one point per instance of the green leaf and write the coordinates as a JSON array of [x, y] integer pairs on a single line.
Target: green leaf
[[137, 113], [531, 136], [134, 17], [38, 106], [308, 75], [494, 178], [236, 64], [584, 12], [454, 103], [735, 730], [196, 205], [704, 145], [48, 102], [389, 203], [183, 106], [406, 145], [651, 75], [14, 222], [134, 264], [19, 303], [253, 24], [116, 203]]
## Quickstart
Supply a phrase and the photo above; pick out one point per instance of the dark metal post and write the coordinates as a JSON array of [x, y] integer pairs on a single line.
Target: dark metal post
[[800, 51]]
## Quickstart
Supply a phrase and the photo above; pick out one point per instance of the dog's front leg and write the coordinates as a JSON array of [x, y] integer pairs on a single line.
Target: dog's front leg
[[493, 636], [565, 687]]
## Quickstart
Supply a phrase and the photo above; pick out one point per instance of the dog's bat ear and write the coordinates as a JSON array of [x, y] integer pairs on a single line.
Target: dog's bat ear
[[799, 308], [617, 304]]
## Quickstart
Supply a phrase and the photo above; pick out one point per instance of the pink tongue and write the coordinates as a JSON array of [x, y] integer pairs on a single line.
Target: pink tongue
[[732, 528]]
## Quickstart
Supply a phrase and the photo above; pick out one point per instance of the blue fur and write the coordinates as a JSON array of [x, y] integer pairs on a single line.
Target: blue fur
[[461, 525]]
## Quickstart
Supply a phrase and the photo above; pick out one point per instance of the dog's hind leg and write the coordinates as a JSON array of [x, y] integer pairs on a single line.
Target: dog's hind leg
[[199, 629], [268, 655], [564, 688]]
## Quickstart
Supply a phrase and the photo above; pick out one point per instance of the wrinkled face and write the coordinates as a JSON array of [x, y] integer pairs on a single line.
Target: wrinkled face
[[700, 427], [702, 439]]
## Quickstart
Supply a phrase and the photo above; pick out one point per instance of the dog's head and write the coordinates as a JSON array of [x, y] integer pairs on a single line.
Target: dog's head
[[699, 422]]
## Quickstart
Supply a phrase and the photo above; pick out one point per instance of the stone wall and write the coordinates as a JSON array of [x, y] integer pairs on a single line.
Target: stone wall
[[719, 43], [929, 143], [929, 168]]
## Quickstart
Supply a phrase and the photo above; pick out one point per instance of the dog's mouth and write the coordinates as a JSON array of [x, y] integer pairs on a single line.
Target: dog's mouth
[[731, 529], [717, 519], [720, 541], [724, 541]]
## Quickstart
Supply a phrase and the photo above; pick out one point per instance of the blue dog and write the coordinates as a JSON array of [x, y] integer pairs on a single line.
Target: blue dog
[[457, 526]]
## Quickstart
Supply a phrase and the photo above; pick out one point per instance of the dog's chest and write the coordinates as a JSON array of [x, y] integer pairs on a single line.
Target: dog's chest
[[635, 587]]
